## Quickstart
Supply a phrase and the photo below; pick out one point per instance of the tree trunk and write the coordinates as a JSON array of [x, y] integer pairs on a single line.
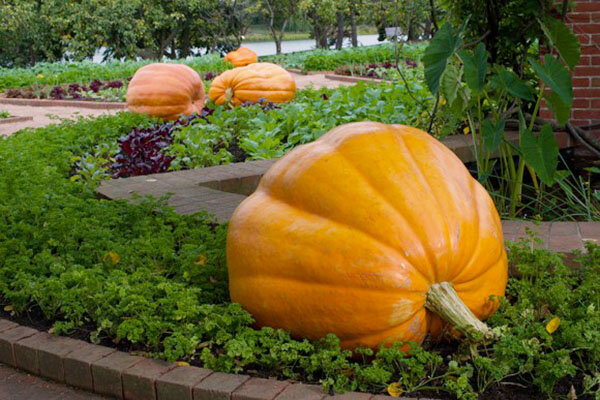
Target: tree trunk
[[354, 33], [339, 40], [411, 32]]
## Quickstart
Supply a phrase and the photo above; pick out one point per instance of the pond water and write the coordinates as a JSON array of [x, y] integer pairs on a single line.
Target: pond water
[[287, 46]]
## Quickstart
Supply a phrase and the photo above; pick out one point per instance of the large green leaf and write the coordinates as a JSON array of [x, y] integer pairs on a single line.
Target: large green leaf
[[450, 83], [493, 133], [561, 111], [475, 67], [563, 40], [507, 80], [541, 153], [440, 49], [556, 76]]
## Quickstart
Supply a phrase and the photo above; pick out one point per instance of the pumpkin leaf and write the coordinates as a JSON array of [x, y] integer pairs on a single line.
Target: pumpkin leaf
[[395, 389], [541, 153], [561, 111], [443, 45], [563, 39], [475, 67], [556, 76], [493, 133], [509, 81], [553, 325]]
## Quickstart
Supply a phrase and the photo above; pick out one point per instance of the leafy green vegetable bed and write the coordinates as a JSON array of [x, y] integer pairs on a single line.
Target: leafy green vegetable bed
[[328, 60], [154, 281], [84, 72]]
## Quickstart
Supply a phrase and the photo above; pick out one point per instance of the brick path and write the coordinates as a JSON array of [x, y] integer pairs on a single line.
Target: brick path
[[18, 385]]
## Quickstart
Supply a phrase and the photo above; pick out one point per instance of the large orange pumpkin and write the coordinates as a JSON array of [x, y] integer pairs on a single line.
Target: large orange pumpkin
[[165, 91], [376, 233], [250, 83], [241, 57]]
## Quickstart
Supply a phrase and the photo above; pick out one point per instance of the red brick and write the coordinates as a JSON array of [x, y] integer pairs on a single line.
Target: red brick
[[586, 92], [78, 365], [26, 352], [350, 396], [107, 373], [301, 391], [177, 384], [595, 82], [565, 244], [581, 82], [590, 230], [576, 17], [51, 356], [7, 340], [588, 28], [583, 7], [564, 228], [585, 61], [259, 389], [139, 379], [593, 49], [588, 71], [512, 227], [6, 325], [595, 17], [581, 114], [218, 386], [581, 103]]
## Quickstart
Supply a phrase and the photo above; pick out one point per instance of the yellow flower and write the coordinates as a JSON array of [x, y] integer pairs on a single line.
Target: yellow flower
[[442, 101], [553, 325], [201, 260], [40, 76], [111, 256], [467, 130], [394, 389]]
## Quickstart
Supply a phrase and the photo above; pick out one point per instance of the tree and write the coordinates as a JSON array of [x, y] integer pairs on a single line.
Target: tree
[[279, 13], [322, 16]]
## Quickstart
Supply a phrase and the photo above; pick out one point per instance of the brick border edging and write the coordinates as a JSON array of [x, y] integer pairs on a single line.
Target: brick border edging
[[349, 78], [97, 105], [110, 372], [15, 119]]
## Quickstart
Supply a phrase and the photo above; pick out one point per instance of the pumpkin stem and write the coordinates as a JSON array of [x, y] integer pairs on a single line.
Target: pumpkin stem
[[228, 94], [443, 300]]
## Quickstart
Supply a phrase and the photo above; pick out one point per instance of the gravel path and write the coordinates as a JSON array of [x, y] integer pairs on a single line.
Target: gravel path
[[18, 385], [43, 116]]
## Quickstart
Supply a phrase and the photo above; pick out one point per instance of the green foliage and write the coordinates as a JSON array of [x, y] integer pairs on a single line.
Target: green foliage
[[507, 28], [4, 114], [86, 71], [485, 96], [35, 31], [142, 276], [443, 45], [328, 60]]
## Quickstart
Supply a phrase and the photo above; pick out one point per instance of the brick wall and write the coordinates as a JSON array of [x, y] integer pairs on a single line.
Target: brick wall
[[584, 19]]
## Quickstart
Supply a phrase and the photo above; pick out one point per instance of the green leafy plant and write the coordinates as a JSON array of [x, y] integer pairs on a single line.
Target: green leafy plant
[[488, 95], [4, 114]]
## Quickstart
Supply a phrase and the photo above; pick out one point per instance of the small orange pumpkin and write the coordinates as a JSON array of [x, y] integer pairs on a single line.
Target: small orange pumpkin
[[376, 233], [241, 57], [165, 91], [250, 83]]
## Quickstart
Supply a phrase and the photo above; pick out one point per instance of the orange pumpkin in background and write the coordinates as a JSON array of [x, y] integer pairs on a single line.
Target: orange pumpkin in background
[[241, 57], [253, 82], [165, 91], [376, 233]]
